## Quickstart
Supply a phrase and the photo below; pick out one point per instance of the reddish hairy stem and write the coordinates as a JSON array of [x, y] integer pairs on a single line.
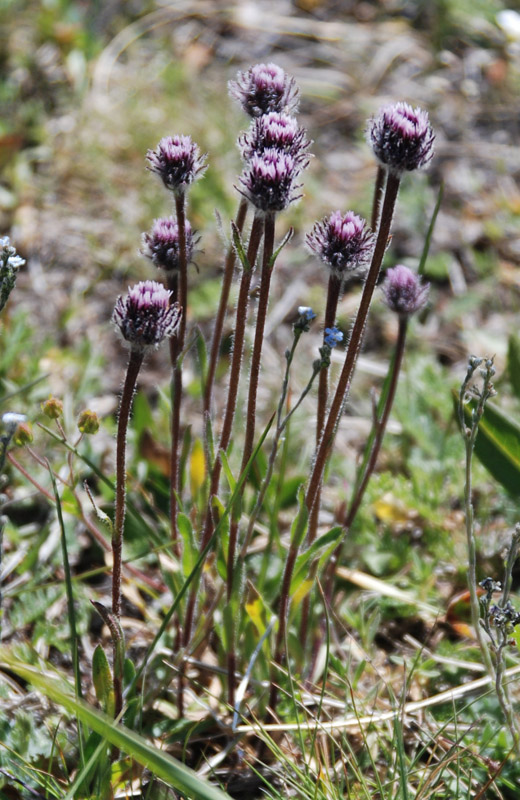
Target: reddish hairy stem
[[333, 293], [254, 376], [234, 378], [327, 439], [380, 425], [176, 349], [134, 365], [227, 278], [380, 428], [378, 193]]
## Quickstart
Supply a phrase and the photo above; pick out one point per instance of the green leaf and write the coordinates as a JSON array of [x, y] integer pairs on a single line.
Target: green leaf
[[240, 249], [320, 548], [102, 679], [190, 551], [300, 524], [164, 766], [513, 362], [497, 445], [288, 495], [101, 675]]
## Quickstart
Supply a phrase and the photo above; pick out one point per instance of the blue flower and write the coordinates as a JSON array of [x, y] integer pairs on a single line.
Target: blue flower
[[333, 336], [307, 313]]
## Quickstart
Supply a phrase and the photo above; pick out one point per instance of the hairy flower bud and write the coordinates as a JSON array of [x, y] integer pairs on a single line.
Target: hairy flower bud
[[274, 130], [177, 161], [161, 245], [404, 291], [342, 241], [145, 316], [264, 88], [401, 137], [268, 180]]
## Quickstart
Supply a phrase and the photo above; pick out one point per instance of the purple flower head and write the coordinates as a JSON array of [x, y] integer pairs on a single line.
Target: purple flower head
[[263, 88], [342, 241], [177, 161], [268, 180], [404, 291], [333, 337], [161, 245], [145, 316], [401, 137], [274, 130]]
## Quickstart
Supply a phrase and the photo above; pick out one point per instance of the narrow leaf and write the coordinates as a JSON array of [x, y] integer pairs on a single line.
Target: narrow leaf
[[164, 766], [497, 445]]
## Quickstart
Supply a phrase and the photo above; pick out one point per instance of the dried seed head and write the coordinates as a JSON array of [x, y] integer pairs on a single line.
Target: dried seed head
[[268, 180], [264, 88], [161, 245], [177, 161], [401, 137], [342, 241], [404, 291], [145, 316], [274, 130]]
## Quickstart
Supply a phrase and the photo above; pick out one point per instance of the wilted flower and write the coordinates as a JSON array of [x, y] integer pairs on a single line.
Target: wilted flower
[[145, 316], [263, 88], [333, 336], [404, 291], [161, 245], [268, 180], [401, 137], [177, 161], [274, 130], [342, 241], [305, 316], [88, 422], [53, 407]]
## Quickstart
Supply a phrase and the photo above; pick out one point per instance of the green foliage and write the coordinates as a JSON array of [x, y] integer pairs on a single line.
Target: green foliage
[[498, 445]]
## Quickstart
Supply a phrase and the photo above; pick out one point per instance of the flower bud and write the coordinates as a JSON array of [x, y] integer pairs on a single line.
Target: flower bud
[[161, 245], [342, 241], [404, 291], [401, 138], [268, 180], [264, 88], [88, 422], [145, 316], [52, 408], [177, 161], [274, 130], [23, 434]]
